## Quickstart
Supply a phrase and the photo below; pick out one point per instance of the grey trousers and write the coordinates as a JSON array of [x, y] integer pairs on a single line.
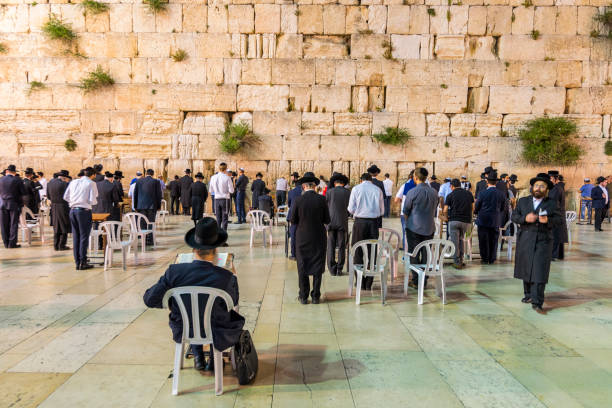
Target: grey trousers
[[456, 231], [221, 211]]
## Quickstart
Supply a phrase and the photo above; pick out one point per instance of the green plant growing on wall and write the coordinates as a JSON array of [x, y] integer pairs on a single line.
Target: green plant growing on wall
[[70, 144], [388, 53], [156, 6], [527, 3], [35, 86], [96, 80], [535, 34], [503, 133], [448, 15], [475, 133], [605, 19], [3, 48], [94, 7], [608, 148], [237, 136], [550, 141], [179, 55], [393, 136], [56, 29], [431, 12]]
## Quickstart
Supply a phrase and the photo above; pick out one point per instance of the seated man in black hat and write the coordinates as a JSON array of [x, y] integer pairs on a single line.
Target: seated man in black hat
[[204, 238]]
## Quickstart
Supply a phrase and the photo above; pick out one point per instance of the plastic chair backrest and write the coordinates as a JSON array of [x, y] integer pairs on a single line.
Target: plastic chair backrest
[[164, 205], [514, 230], [437, 250], [258, 219], [373, 249], [570, 216], [282, 210], [23, 221], [112, 230], [194, 292], [390, 236], [134, 220]]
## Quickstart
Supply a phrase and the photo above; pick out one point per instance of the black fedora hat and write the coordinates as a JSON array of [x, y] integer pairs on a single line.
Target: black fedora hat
[[488, 169], [492, 176], [29, 170], [206, 235], [199, 175], [63, 173], [119, 174], [542, 177], [513, 177], [308, 177], [553, 173], [340, 178], [600, 179], [373, 169], [12, 168]]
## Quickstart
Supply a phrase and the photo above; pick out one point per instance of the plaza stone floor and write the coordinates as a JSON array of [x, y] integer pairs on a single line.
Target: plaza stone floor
[[84, 338]]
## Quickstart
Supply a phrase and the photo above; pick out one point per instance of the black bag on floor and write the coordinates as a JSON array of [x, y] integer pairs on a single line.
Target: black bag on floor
[[245, 357]]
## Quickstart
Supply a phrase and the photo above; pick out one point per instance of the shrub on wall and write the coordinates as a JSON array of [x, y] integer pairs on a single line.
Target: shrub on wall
[[237, 136], [94, 7], [70, 144], [608, 148], [393, 136], [96, 80], [550, 141], [56, 29], [605, 19]]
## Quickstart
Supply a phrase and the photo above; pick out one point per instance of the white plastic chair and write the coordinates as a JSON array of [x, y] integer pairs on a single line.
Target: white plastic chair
[[94, 239], [436, 250], [134, 219], [112, 229], [375, 256], [281, 214], [197, 338], [260, 222], [162, 213], [394, 239], [570, 218], [26, 226], [510, 239]]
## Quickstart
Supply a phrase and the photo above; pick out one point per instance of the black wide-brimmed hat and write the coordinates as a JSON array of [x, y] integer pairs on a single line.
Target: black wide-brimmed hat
[[488, 169], [206, 235], [199, 175], [513, 177], [554, 173], [308, 177], [187, 171], [492, 176], [542, 177], [341, 178], [11, 168], [600, 179], [108, 174], [29, 170], [119, 174], [373, 169], [63, 173], [433, 177]]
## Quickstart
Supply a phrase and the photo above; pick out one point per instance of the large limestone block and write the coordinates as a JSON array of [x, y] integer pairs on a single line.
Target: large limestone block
[[383, 120], [406, 46], [475, 125], [458, 23], [428, 99], [368, 45], [289, 46], [595, 73], [478, 99], [352, 123], [377, 19], [67, 97], [263, 97], [523, 20], [477, 22], [276, 123], [153, 45], [512, 123], [256, 71], [185, 146], [232, 71], [241, 18], [140, 146], [339, 148], [171, 20], [192, 71], [214, 71], [545, 20], [205, 97], [334, 19], [32, 121], [213, 45], [509, 99], [10, 148], [360, 99], [14, 19], [267, 18], [289, 18], [300, 95], [316, 124], [369, 73], [158, 122], [356, 19], [217, 19], [95, 121], [452, 160], [210, 123], [567, 18], [70, 14], [480, 48], [120, 17], [98, 23], [345, 72], [301, 147], [143, 19], [438, 125], [331, 98], [585, 21], [589, 126], [419, 20], [521, 47], [310, 19], [293, 71], [438, 23], [450, 47], [548, 101], [535, 73], [499, 20], [325, 47], [122, 122], [371, 150], [602, 99], [376, 98], [568, 48], [415, 123], [398, 19], [195, 17]]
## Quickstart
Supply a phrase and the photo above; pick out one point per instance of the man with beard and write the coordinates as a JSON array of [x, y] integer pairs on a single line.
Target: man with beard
[[337, 200], [175, 195], [199, 194], [560, 236], [536, 215], [310, 214], [31, 198], [60, 211], [108, 198], [513, 179], [185, 182]]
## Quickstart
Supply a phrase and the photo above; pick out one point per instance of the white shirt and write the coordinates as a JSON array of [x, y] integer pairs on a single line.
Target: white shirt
[[537, 202], [366, 201], [81, 193], [388, 187], [605, 193], [281, 184], [131, 193], [43, 190], [221, 186], [445, 189]]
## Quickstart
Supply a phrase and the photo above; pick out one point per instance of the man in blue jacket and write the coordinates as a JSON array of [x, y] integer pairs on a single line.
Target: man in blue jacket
[[226, 326], [600, 202], [489, 209]]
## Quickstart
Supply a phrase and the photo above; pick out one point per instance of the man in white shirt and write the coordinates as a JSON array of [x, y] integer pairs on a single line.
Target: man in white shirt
[[81, 195], [366, 203], [445, 189], [388, 184], [281, 191], [222, 187], [43, 182], [132, 187]]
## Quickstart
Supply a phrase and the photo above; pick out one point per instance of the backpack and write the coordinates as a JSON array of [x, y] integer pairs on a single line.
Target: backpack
[[245, 357]]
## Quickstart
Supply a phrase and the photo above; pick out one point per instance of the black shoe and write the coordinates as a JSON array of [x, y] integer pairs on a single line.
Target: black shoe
[[316, 301], [85, 265], [64, 248], [78, 267], [19, 246], [225, 244], [188, 354], [526, 299], [199, 363], [210, 364], [292, 258], [538, 308], [303, 301]]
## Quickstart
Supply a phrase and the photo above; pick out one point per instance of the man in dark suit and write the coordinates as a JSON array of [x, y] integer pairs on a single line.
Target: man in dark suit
[[117, 176], [147, 198], [199, 194], [337, 200], [293, 194], [31, 197], [185, 182], [601, 201], [560, 235], [481, 185], [226, 325], [108, 197], [11, 202], [175, 194], [98, 169], [257, 188], [60, 211], [434, 183], [310, 214], [374, 171], [241, 185], [489, 208]]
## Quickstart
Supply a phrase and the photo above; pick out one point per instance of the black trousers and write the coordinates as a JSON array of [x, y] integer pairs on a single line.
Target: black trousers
[[535, 291], [59, 240], [558, 248], [150, 214], [304, 282], [336, 238], [80, 220], [186, 210], [364, 228], [174, 205], [412, 240], [9, 224], [281, 197], [292, 230], [221, 211], [599, 216], [487, 242]]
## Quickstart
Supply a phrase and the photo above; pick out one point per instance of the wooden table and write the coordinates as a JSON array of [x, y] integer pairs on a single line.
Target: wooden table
[[99, 217]]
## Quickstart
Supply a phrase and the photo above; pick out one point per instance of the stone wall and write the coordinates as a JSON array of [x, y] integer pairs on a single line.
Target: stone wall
[[314, 78]]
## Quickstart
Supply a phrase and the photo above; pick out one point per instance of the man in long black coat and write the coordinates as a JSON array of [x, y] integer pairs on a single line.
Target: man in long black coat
[[199, 194], [11, 202], [175, 195], [337, 199], [536, 215], [310, 214], [560, 236], [60, 211], [147, 199], [257, 188], [108, 198], [31, 197], [185, 182]]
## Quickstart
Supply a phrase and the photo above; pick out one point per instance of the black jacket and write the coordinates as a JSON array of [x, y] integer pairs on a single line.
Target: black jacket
[[226, 326], [241, 183], [310, 214], [11, 192], [59, 207], [294, 193], [599, 200], [480, 187], [257, 187], [199, 194], [108, 197], [185, 183], [31, 198], [380, 185], [337, 201], [490, 207], [175, 188], [147, 194]]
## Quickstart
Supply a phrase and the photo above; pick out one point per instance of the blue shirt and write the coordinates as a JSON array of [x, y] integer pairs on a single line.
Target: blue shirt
[[445, 189], [585, 190]]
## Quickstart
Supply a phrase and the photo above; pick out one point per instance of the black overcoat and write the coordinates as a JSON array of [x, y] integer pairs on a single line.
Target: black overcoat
[[257, 188], [185, 183], [557, 194], [175, 188], [60, 210], [108, 200], [31, 198], [199, 194], [310, 214], [535, 241], [337, 201]]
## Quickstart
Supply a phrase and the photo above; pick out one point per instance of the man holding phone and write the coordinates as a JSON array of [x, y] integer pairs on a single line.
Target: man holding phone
[[536, 215]]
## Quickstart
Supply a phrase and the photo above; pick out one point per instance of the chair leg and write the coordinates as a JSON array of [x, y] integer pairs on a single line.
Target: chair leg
[[124, 252], [421, 288], [358, 288], [351, 278], [264, 237], [443, 288], [383, 286], [143, 243], [406, 280], [218, 356], [251, 241], [178, 362]]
